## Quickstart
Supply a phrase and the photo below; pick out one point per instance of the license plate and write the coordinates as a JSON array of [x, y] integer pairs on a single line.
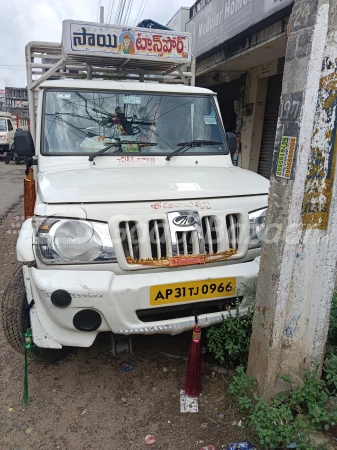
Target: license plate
[[192, 291]]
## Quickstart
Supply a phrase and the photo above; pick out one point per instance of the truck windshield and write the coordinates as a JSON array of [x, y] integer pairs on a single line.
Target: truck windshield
[[86, 122], [3, 125]]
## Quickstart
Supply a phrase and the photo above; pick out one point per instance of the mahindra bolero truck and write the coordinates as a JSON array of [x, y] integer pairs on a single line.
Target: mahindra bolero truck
[[140, 220]]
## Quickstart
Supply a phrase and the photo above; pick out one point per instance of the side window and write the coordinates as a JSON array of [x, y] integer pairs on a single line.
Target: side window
[[10, 126]]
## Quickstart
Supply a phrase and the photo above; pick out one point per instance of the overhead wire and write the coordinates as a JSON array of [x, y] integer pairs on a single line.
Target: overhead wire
[[125, 12], [117, 12], [107, 14], [112, 8], [99, 5], [125, 6], [122, 3], [122, 12], [141, 4], [140, 16], [128, 12]]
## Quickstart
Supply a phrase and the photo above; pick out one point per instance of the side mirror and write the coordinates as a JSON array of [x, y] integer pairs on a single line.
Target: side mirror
[[23, 142], [231, 139]]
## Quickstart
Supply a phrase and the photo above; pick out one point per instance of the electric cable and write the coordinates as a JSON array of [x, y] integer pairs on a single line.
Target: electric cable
[[118, 9], [141, 4], [140, 17], [129, 11], [122, 12], [107, 14], [99, 4], [112, 7]]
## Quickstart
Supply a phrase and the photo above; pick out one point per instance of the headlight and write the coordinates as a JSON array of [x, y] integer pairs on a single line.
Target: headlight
[[69, 241], [257, 221], [2, 138]]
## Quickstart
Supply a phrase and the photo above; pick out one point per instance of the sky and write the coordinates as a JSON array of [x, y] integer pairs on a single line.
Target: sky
[[41, 20]]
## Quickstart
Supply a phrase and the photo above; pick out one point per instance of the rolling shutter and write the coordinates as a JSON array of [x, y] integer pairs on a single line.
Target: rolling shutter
[[270, 124]]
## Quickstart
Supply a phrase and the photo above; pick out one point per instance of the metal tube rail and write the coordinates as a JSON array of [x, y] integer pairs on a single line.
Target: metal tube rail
[[38, 55]]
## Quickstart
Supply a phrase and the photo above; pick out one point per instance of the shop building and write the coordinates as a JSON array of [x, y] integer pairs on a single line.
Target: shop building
[[240, 47], [179, 20], [16, 101]]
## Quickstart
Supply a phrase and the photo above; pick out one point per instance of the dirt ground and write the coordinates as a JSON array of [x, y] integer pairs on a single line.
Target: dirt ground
[[11, 178], [87, 402]]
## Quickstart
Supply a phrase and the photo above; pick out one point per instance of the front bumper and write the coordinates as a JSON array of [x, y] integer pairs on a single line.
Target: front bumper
[[117, 298]]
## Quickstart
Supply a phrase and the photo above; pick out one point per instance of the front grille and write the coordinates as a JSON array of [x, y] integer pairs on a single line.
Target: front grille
[[187, 243], [158, 240], [233, 229], [129, 238], [211, 235]]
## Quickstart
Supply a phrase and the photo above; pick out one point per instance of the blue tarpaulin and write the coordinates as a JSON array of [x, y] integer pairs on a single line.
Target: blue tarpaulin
[[149, 23]]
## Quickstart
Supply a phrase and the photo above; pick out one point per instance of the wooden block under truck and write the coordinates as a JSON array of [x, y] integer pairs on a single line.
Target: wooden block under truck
[[140, 220]]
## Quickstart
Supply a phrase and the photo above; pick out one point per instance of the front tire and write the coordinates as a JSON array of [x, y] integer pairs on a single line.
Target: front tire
[[15, 321], [6, 160]]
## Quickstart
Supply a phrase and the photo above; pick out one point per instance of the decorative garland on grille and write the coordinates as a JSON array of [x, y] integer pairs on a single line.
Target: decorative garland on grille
[[178, 261]]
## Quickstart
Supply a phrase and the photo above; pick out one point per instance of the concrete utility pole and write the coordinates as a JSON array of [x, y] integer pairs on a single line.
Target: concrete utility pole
[[101, 14], [298, 263]]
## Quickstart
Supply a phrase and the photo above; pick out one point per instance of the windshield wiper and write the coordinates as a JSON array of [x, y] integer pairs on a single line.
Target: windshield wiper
[[119, 144], [103, 150], [186, 145]]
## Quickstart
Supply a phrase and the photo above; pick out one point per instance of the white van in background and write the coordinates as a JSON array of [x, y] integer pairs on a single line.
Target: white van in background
[[7, 129]]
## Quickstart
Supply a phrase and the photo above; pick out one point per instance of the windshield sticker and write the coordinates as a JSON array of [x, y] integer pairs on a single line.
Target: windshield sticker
[[201, 204], [132, 147], [210, 120], [131, 99], [64, 96]]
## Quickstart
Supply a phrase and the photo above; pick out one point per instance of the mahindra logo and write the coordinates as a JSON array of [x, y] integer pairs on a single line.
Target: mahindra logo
[[184, 221]]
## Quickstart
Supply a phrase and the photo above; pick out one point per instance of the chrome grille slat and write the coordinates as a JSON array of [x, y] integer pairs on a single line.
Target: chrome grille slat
[[157, 238], [128, 236], [185, 244], [209, 235], [233, 231], [156, 230], [195, 244]]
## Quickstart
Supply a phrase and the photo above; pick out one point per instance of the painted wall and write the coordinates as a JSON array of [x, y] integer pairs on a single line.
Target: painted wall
[[179, 20]]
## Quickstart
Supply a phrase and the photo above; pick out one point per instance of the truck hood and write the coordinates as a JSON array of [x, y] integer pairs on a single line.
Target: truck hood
[[92, 185]]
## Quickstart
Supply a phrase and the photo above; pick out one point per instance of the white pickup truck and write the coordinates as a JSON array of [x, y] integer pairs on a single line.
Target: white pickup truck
[[140, 219]]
